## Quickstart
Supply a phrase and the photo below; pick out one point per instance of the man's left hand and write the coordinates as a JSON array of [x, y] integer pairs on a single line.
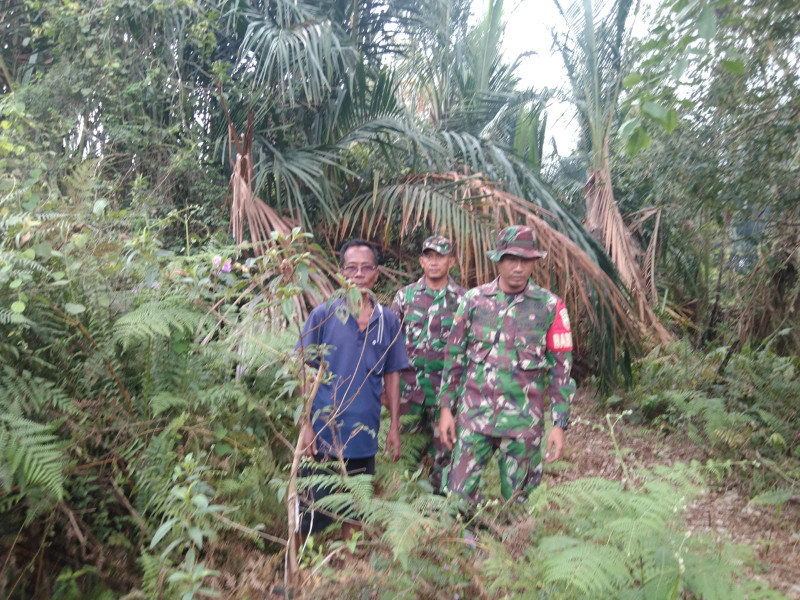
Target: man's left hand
[[393, 442], [555, 444]]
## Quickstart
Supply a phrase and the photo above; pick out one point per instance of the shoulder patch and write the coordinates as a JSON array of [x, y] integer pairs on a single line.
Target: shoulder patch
[[559, 336], [564, 315]]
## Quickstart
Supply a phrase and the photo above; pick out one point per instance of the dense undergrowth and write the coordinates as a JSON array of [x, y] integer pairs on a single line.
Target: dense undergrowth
[[740, 406], [147, 420]]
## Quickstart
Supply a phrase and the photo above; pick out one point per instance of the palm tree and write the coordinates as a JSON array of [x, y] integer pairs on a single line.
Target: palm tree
[[592, 50], [337, 145]]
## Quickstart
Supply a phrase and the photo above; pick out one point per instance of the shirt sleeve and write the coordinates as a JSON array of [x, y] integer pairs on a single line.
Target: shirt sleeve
[[560, 386], [396, 356], [455, 360], [397, 305]]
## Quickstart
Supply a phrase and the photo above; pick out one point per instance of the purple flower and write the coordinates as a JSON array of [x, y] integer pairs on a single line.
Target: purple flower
[[226, 266], [216, 260]]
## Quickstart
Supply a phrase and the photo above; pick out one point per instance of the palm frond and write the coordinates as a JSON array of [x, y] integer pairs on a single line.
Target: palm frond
[[470, 210], [291, 48]]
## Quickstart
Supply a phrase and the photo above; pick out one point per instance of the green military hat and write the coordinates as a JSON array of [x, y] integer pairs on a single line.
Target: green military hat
[[438, 243], [517, 240]]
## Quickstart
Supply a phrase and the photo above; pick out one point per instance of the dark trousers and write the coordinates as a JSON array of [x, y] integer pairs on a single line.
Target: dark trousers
[[312, 518]]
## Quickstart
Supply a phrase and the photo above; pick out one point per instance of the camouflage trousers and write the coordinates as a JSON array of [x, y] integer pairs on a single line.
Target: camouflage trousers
[[435, 454], [520, 463]]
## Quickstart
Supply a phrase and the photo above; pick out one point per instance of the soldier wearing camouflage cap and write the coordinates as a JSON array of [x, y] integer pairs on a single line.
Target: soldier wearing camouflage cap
[[510, 347], [426, 309]]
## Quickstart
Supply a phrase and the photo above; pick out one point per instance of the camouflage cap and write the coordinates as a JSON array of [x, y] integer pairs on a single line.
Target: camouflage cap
[[438, 243], [517, 240]]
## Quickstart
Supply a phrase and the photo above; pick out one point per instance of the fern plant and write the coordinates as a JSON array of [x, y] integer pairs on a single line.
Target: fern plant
[[597, 539], [742, 404]]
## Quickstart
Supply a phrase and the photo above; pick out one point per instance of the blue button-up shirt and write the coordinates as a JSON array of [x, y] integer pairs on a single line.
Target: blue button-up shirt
[[347, 408]]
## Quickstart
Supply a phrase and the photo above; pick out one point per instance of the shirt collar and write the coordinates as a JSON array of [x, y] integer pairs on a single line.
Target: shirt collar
[[422, 284], [494, 289]]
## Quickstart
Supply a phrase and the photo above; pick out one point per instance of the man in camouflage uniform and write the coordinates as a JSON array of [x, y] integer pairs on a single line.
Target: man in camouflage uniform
[[510, 346], [426, 309]]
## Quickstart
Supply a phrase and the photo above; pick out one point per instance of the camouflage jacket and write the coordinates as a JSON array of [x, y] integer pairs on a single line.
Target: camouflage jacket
[[503, 357], [427, 317]]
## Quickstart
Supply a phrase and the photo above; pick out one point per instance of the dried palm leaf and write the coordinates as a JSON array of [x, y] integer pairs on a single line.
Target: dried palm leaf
[[470, 210], [604, 221], [261, 221]]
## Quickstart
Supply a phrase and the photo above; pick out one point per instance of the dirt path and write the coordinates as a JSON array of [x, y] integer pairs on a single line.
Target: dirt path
[[724, 512]]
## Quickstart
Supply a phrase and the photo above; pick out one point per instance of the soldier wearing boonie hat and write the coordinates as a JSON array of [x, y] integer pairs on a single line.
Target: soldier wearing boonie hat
[[517, 240], [426, 309], [510, 347]]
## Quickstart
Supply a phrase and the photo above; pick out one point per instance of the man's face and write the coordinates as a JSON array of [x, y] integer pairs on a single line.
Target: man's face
[[514, 272], [435, 266], [359, 266]]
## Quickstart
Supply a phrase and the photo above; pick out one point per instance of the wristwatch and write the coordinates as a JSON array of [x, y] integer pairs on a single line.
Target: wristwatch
[[562, 422]]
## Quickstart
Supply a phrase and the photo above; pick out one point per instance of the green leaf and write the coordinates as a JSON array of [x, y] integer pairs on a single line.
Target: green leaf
[[165, 528], [287, 308], [733, 66], [628, 127], [297, 413], [80, 239], [223, 449], [679, 68], [707, 23], [631, 80], [32, 202], [200, 500], [43, 250], [15, 284], [638, 140], [773, 497], [99, 206], [74, 309], [18, 307], [671, 121], [196, 535], [655, 111]]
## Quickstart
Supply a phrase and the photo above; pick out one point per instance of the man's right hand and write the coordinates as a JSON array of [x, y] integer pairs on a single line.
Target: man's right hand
[[309, 441], [447, 428]]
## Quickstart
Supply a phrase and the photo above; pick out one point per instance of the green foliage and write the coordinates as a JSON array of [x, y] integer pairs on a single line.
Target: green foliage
[[601, 539], [67, 586], [732, 404], [156, 318], [116, 375], [31, 458], [187, 525]]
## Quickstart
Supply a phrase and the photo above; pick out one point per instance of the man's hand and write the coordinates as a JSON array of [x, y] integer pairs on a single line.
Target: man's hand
[[393, 441], [309, 440], [447, 428], [555, 444]]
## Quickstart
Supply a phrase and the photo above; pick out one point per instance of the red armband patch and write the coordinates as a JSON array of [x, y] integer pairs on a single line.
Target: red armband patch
[[559, 336]]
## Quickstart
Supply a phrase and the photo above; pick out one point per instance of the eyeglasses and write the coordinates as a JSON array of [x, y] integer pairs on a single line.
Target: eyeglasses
[[352, 269]]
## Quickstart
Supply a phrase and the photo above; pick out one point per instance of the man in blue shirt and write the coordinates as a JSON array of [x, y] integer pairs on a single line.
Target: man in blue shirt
[[364, 354]]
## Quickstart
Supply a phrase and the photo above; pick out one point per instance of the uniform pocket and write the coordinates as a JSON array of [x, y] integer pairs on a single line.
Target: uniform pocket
[[531, 358], [414, 326]]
